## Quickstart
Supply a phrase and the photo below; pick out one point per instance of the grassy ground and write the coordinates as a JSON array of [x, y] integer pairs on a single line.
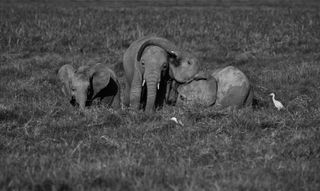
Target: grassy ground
[[45, 144], [166, 3]]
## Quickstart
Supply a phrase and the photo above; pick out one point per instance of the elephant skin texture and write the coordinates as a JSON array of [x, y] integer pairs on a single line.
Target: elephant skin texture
[[202, 92], [90, 83], [151, 64], [227, 87]]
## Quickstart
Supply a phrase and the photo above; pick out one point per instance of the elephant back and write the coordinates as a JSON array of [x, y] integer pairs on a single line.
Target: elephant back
[[233, 86]]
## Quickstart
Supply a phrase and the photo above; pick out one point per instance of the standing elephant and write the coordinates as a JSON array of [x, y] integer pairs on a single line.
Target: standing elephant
[[224, 88], [88, 83], [150, 64]]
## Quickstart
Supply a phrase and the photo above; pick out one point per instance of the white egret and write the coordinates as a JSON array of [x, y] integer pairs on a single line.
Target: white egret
[[276, 103], [176, 121]]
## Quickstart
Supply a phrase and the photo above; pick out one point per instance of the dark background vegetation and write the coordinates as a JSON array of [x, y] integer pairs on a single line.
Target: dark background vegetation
[[45, 144], [165, 3]]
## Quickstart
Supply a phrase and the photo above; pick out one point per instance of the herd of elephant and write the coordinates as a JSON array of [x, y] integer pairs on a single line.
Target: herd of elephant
[[157, 72]]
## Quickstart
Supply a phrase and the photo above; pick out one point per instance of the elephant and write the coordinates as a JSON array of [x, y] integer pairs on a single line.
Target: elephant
[[89, 83], [151, 64], [224, 87]]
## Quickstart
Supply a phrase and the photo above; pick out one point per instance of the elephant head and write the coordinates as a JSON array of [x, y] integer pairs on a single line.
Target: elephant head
[[87, 83], [160, 59], [172, 93], [154, 70], [183, 65], [201, 91]]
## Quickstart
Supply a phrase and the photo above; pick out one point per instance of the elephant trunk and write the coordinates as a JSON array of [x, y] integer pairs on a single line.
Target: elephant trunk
[[81, 99], [135, 92], [153, 80]]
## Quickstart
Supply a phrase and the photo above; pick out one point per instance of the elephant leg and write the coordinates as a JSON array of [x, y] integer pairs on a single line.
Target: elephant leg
[[172, 92], [143, 98], [217, 106], [116, 103], [107, 100], [249, 99], [126, 96], [161, 93], [135, 92], [168, 91]]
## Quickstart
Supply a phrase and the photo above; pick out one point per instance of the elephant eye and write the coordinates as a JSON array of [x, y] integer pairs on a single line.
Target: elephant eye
[[182, 97], [142, 63], [189, 63], [165, 66]]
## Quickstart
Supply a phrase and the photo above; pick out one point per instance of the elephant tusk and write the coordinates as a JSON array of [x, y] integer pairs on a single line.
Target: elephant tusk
[[158, 86], [143, 82]]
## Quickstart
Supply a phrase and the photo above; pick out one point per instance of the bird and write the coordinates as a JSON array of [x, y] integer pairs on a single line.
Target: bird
[[276, 103], [176, 121]]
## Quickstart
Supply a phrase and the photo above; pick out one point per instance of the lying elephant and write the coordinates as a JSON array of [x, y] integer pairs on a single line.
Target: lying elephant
[[88, 83], [150, 64], [224, 88]]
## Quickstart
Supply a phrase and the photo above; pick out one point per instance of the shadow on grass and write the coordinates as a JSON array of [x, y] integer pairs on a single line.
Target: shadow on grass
[[48, 184], [7, 115], [113, 183]]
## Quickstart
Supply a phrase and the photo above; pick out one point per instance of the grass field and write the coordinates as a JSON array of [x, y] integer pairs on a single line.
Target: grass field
[[46, 144]]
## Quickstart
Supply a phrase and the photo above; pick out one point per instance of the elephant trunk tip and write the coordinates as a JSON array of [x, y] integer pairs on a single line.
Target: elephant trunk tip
[[82, 107]]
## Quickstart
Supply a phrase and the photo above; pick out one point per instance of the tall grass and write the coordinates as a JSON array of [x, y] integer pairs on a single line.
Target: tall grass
[[46, 144]]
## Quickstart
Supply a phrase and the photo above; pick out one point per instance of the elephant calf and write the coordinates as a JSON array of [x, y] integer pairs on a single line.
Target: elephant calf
[[224, 88], [89, 83], [150, 64]]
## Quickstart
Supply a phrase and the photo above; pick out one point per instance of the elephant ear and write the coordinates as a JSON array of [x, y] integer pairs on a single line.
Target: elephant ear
[[65, 75], [100, 78], [170, 48]]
